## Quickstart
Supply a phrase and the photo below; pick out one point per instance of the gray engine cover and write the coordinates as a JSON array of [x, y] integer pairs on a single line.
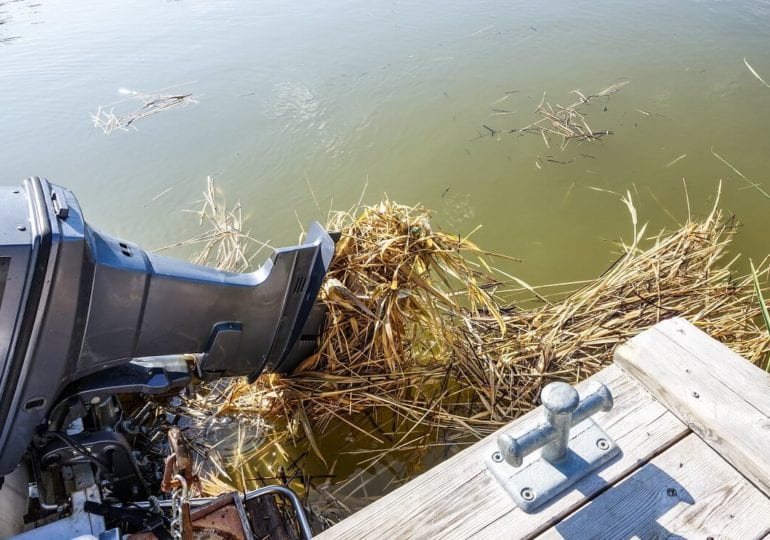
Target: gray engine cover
[[75, 302]]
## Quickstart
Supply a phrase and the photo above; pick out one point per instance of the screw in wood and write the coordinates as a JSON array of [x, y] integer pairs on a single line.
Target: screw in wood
[[497, 457], [527, 494]]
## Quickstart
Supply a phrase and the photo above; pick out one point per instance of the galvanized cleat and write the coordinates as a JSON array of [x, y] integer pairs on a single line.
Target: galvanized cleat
[[566, 454]]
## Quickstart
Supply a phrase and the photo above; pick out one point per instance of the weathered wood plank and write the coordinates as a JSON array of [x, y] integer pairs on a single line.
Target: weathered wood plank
[[719, 395], [689, 491], [460, 499]]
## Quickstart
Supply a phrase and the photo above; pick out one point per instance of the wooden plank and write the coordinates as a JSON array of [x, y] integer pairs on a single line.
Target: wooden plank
[[719, 395], [689, 491], [460, 499]]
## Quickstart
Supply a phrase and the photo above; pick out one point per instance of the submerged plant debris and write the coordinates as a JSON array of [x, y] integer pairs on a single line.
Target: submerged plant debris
[[566, 123], [424, 346], [569, 122], [142, 105]]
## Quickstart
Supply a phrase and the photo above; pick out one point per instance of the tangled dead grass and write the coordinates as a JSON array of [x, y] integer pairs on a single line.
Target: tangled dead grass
[[424, 345], [223, 243]]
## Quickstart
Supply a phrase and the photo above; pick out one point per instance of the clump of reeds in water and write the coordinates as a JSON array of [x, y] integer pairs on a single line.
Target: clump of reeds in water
[[223, 243], [152, 103], [422, 346], [394, 292], [569, 122], [680, 273]]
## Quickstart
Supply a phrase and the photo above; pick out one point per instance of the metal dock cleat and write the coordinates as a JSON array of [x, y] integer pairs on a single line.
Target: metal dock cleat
[[566, 454]]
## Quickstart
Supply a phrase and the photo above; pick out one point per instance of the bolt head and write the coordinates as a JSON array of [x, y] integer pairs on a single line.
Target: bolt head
[[528, 494], [560, 398], [602, 444]]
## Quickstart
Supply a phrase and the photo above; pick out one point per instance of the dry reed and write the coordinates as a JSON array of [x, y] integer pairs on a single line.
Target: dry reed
[[754, 72], [569, 123], [421, 345], [108, 121], [222, 243]]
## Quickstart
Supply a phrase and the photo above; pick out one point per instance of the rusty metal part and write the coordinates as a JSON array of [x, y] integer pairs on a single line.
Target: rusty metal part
[[257, 512], [167, 483], [178, 518], [224, 517], [187, 526], [177, 463], [179, 447], [220, 521], [220, 502]]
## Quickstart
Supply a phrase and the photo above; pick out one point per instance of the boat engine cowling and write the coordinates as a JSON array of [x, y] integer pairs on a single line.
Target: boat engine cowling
[[85, 316]]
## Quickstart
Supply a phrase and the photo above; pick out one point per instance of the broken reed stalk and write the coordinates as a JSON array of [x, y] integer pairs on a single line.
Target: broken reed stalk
[[569, 122], [421, 350], [224, 243], [108, 121]]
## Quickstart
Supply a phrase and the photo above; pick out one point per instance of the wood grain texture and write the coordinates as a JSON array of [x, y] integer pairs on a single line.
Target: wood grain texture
[[718, 394], [460, 499], [689, 491]]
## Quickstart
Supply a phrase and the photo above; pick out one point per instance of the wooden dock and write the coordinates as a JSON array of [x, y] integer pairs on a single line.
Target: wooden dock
[[692, 420]]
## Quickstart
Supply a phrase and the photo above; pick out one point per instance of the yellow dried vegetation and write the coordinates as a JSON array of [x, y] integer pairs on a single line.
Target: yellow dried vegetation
[[422, 339]]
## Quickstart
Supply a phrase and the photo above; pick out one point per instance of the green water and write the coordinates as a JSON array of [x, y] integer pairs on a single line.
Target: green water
[[394, 96]]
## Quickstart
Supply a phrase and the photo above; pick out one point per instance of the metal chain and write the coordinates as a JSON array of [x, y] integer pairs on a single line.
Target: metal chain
[[178, 496]]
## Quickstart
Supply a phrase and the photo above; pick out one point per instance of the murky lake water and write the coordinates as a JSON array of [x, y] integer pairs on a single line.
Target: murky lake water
[[395, 95]]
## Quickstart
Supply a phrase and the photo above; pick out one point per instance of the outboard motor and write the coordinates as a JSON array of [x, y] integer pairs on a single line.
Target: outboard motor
[[85, 316]]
